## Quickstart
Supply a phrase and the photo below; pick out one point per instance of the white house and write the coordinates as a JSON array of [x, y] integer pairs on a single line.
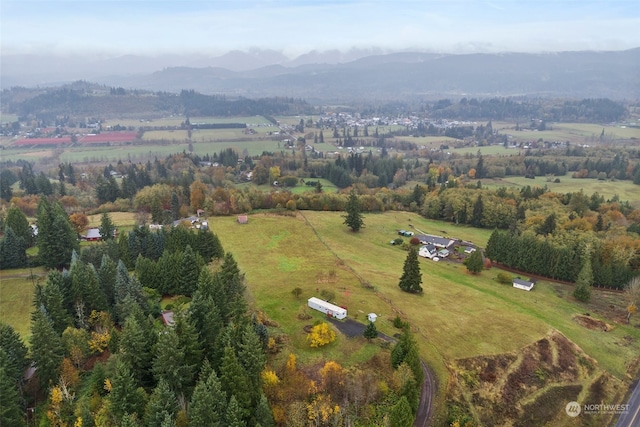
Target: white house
[[327, 308], [428, 251], [522, 284]]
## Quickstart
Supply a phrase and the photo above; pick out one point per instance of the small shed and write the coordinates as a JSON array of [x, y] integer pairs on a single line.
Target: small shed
[[327, 308], [93, 235], [243, 219], [167, 318], [522, 284], [372, 317]]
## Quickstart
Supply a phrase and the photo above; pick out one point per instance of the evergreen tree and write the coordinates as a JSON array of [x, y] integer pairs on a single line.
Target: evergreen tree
[[411, 277], [353, 219], [50, 297], [11, 412], [107, 228], [46, 348], [405, 351], [17, 220], [56, 237], [169, 362], [135, 345], [370, 331], [235, 381], [208, 245], [263, 413], [188, 273], [233, 416], [253, 359], [478, 212], [582, 291], [15, 352], [208, 323], [161, 402], [107, 279], [13, 250], [188, 341], [474, 262], [125, 397], [208, 403], [228, 290], [129, 420], [175, 206], [401, 414], [548, 226]]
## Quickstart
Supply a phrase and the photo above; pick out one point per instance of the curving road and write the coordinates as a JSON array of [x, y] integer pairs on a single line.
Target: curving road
[[351, 329], [631, 418]]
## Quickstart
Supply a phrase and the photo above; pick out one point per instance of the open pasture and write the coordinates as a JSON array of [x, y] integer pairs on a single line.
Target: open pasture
[[16, 297], [8, 118], [578, 133], [178, 120], [626, 190], [459, 315]]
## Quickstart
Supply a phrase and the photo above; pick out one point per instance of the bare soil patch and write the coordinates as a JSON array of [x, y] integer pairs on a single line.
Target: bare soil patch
[[591, 323]]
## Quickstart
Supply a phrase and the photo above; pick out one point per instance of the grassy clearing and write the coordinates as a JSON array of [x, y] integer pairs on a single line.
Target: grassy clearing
[[8, 118], [574, 132], [120, 219], [626, 190], [16, 297], [459, 315]]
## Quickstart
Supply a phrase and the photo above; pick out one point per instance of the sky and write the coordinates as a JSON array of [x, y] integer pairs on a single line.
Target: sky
[[293, 27]]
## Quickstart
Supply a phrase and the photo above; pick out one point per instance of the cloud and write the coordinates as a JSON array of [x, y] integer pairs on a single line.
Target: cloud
[[295, 26]]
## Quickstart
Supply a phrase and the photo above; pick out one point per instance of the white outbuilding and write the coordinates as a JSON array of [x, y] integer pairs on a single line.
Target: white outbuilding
[[372, 317], [522, 284], [327, 308]]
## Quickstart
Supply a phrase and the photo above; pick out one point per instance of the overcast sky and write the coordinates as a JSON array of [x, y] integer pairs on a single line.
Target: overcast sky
[[153, 27]]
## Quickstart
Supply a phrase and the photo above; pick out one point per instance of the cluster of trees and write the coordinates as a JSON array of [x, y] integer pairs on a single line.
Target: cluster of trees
[[197, 104], [103, 358], [546, 257], [55, 237], [586, 110]]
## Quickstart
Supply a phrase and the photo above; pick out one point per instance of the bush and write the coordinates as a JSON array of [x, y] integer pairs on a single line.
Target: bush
[[398, 322], [504, 278], [414, 241], [321, 334]]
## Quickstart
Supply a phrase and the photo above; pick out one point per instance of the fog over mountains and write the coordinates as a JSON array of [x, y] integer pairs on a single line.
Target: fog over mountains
[[357, 74]]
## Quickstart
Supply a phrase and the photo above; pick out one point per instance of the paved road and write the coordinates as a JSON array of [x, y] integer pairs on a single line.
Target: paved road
[[351, 328], [632, 417]]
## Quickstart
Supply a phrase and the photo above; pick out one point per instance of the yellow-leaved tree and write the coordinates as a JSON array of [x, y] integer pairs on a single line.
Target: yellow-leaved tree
[[321, 334]]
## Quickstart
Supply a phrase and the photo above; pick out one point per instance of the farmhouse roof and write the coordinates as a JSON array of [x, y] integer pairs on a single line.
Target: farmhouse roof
[[93, 233], [167, 318], [522, 284], [435, 240]]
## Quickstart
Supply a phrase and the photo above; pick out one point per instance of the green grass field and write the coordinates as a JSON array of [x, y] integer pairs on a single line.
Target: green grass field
[[16, 297], [574, 132], [459, 315], [626, 190]]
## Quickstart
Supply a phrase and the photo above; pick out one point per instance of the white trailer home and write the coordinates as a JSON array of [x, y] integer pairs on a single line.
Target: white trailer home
[[327, 308]]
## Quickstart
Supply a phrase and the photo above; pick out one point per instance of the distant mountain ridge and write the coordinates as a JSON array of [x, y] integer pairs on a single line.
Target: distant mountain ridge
[[584, 74]]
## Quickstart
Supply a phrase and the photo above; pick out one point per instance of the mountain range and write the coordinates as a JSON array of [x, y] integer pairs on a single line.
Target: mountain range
[[355, 75]]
